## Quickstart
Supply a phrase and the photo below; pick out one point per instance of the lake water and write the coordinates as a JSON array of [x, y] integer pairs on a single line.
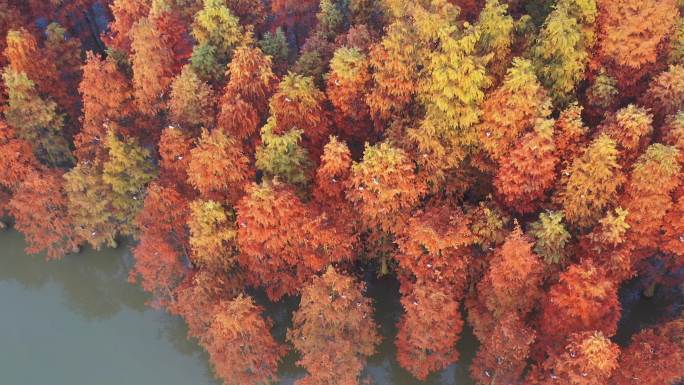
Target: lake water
[[78, 321]]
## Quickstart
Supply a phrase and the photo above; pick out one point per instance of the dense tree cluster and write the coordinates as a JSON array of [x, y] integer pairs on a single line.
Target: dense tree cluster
[[511, 163]]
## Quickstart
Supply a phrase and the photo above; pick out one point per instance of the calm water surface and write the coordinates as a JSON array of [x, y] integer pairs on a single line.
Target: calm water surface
[[78, 321]]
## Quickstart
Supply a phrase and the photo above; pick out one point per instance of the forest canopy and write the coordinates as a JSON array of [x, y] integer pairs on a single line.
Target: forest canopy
[[513, 164]]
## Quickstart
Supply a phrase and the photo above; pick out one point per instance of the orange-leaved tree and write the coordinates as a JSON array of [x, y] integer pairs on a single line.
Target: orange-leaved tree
[[347, 85], [395, 73], [158, 266], [631, 129], [25, 55], [512, 110], [197, 296], [429, 329], [664, 95], [589, 358], [654, 356], [332, 176], [125, 14], [528, 171], [163, 241], [282, 241], [299, 104], [569, 134], [107, 95], [64, 50], [173, 23], [333, 330], [513, 281], [434, 248], [333, 173], [648, 196], [17, 158], [631, 34], [174, 153], [383, 187], [672, 240], [583, 300], [153, 63], [218, 168], [40, 210], [240, 345], [504, 352], [251, 78], [250, 12], [164, 214]]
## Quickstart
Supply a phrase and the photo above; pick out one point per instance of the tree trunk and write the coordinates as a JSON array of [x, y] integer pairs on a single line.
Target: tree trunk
[[649, 292]]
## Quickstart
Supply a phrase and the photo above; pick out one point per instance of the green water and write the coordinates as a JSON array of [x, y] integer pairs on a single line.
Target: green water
[[78, 321]]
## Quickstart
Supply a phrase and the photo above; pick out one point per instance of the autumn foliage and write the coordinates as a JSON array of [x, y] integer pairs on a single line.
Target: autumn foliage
[[428, 332], [504, 352], [383, 187], [240, 345], [283, 241], [513, 167], [218, 167], [653, 356], [581, 301], [333, 330], [632, 34], [39, 207], [588, 358], [435, 249]]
